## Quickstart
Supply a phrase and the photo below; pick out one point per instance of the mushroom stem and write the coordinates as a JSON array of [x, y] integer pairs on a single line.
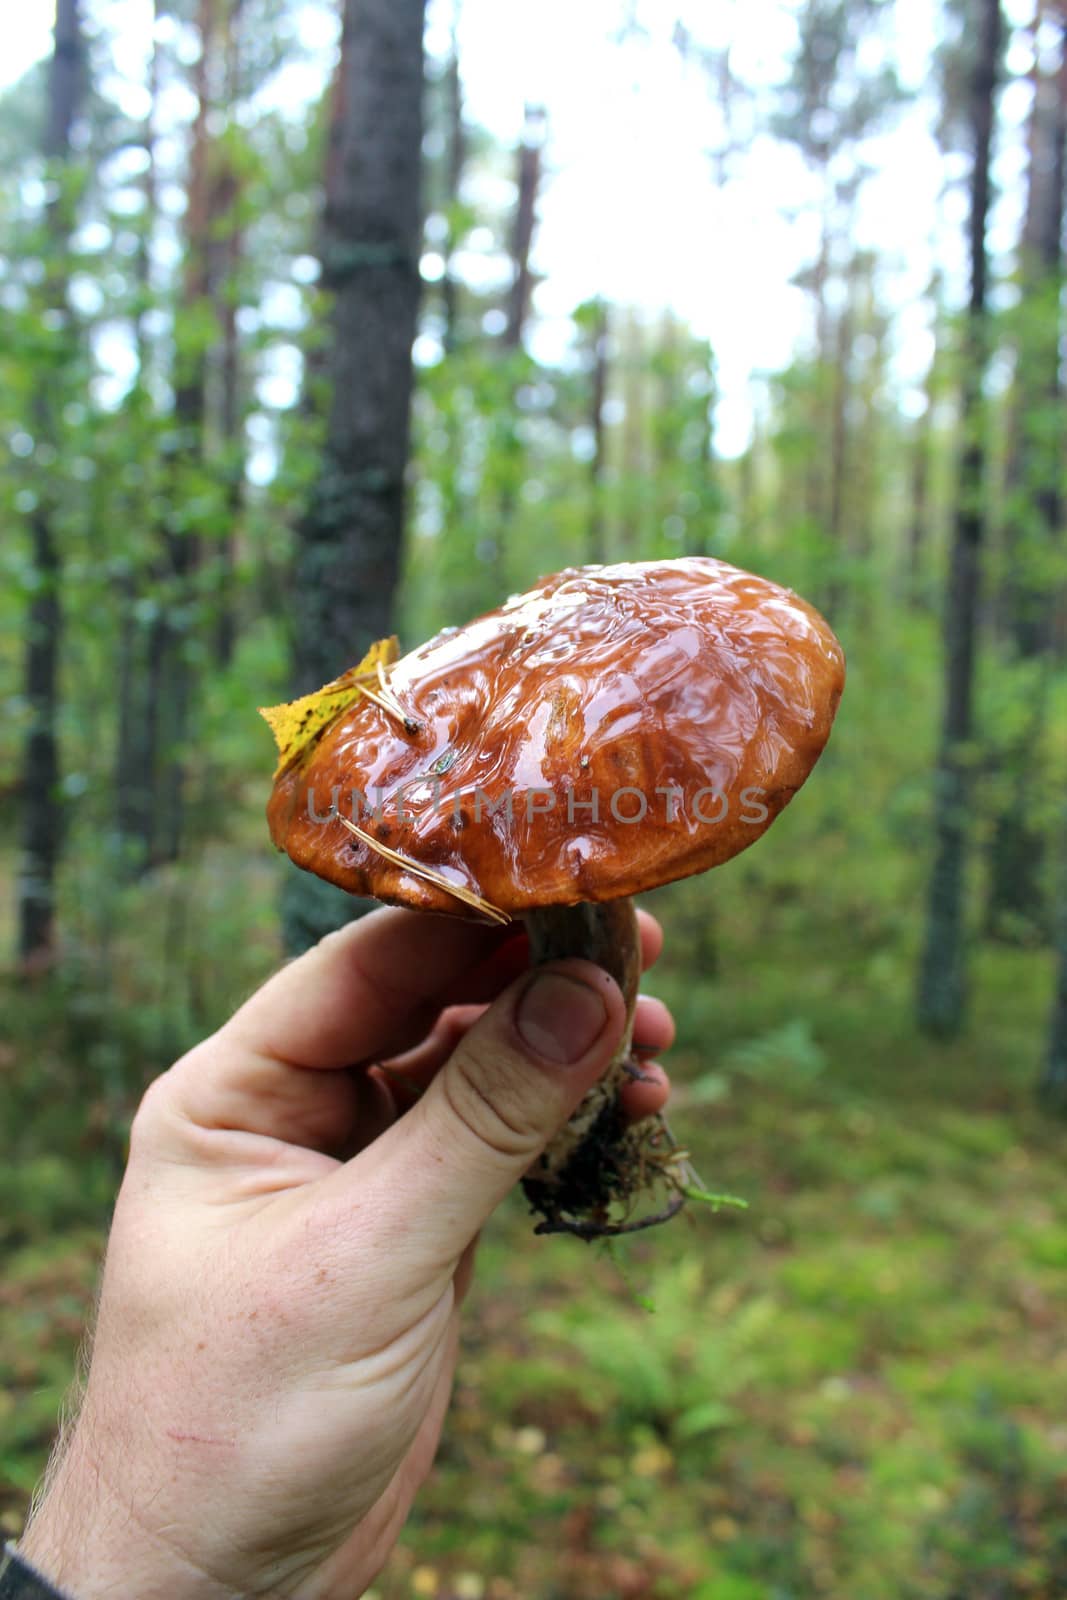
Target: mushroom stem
[[597, 1160], [607, 935]]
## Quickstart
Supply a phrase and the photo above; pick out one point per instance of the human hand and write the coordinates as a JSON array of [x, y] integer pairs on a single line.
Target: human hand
[[278, 1321]]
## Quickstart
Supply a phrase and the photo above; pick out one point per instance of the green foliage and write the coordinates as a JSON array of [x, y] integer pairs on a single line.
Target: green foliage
[[829, 101]]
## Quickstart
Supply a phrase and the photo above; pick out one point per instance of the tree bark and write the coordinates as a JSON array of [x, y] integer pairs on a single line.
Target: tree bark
[[349, 541], [816, 484], [842, 392], [634, 449], [942, 974], [1032, 488], [457, 160], [920, 508], [508, 443], [1017, 905], [170, 712], [596, 549], [42, 815], [529, 179], [1052, 1086], [226, 250], [134, 761]]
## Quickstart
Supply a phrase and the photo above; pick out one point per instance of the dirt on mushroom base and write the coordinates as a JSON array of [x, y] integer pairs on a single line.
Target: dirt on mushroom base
[[613, 1164]]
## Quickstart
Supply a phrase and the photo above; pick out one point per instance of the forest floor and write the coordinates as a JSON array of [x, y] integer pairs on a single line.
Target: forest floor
[[857, 1388]]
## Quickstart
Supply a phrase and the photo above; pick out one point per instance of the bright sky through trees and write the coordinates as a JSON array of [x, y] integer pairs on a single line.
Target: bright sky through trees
[[633, 207]]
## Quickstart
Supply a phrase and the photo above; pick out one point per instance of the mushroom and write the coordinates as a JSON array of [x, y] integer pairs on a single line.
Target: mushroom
[[613, 729]]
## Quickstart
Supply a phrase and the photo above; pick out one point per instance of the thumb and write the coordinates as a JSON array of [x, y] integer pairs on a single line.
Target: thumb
[[508, 1087]]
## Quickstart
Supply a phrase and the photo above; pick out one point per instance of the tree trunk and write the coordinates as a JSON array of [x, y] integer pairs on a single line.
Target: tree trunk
[[134, 763], [457, 160], [942, 975], [748, 479], [149, 186], [1032, 487], [596, 550], [170, 713], [42, 817], [633, 452], [226, 251], [815, 483], [529, 179], [349, 540], [508, 441], [1017, 906], [230, 439], [839, 441], [1052, 1087], [920, 508]]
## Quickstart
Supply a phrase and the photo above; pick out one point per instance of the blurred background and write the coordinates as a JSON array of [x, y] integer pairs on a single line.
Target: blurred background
[[324, 319]]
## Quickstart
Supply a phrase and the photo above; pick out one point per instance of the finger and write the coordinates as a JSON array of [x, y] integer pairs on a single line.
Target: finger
[[371, 989], [411, 1074], [506, 1089], [377, 1108], [343, 1000], [651, 939], [653, 1025], [643, 1097], [224, 1088]]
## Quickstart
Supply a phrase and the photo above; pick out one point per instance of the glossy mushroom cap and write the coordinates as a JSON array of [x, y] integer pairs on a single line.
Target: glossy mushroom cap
[[612, 729]]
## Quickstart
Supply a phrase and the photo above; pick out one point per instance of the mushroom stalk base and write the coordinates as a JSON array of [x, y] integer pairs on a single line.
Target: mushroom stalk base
[[591, 1175]]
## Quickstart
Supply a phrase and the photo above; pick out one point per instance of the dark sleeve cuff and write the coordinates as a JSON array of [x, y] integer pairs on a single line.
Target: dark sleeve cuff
[[20, 1581]]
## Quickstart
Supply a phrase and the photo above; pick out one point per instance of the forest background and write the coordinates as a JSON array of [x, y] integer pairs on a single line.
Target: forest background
[[780, 283]]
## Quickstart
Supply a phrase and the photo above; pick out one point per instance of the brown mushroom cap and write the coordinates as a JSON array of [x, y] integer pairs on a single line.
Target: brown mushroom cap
[[613, 729]]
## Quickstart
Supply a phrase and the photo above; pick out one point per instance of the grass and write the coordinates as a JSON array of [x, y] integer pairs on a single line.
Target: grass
[[856, 1388]]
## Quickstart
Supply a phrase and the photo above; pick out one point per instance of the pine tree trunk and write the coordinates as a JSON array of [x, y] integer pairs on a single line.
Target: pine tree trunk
[[815, 496], [349, 540], [839, 441], [596, 549], [227, 249], [1037, 442], [921, 508], [1017, 905], [134, 762], [634, 452], [1052, 1087], [942, 974], [42, 813], [509, 442], [457, 160], [171, 712], [529, 181]]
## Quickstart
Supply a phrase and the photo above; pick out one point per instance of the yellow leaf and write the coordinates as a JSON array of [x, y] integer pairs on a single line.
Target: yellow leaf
[[298, 724]]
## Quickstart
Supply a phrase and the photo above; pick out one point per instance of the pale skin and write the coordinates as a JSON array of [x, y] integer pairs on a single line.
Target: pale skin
[[293, 1239]]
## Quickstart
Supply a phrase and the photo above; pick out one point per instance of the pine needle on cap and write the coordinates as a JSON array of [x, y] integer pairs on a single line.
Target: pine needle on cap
[[467, 896]]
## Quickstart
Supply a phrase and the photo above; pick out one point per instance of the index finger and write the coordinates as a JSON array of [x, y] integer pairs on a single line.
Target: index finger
[[375, 987], [364, 994], [372, 987]]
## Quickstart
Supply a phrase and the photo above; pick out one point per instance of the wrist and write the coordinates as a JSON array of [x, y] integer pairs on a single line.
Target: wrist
[[88, 1541], [21, 1581]]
